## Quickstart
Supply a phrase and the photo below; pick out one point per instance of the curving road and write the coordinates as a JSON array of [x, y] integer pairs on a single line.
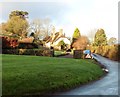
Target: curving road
[[108, 85]]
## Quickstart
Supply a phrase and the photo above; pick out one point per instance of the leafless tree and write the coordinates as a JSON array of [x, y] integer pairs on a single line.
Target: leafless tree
[[91, 35], [41, 27]]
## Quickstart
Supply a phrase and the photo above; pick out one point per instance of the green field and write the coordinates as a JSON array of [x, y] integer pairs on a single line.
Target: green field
[[23, 75]]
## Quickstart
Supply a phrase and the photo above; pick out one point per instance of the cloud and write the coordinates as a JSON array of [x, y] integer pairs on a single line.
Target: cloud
[[36, 9], [35, 1], [68, 14], [100, 14]]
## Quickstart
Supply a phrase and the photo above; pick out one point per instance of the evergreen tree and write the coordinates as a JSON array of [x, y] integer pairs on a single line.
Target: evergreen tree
[[17, 23], [100, 38], [76, 35], [21, 14]]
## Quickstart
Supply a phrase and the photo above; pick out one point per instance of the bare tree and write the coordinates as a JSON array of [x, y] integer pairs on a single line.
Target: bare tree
[[47, 26], [91, 35], [41, 28], [36, 27]]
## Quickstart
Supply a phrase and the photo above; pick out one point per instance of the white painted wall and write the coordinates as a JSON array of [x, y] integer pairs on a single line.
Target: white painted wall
[[47, 44], [66, 41]]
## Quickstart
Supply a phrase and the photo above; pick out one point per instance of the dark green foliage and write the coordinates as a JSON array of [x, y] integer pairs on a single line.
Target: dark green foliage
[[100, 38], [21, 14]]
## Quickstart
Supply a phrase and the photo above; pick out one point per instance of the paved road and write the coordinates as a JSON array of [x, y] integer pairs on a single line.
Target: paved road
[[106, 86]]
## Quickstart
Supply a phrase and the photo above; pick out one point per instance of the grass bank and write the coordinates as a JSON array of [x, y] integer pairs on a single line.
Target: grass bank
[[43, 75]]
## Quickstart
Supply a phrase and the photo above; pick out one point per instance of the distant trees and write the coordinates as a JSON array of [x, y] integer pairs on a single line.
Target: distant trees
[[100, 38], [20, 14], [112, 41], [17, 23], [91, 35], [79, 42], [17, 26], [76, 35], [35, 28], [40, 28], [47, 26]]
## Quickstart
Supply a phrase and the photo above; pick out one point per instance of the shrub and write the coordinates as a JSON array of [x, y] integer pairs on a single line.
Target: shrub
[[9, 42], [36, 52], [111, 52], [27, 46], [10, 51]]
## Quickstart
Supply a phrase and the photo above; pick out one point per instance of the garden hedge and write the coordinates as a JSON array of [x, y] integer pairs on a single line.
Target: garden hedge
[[36, 52], [110, 51]]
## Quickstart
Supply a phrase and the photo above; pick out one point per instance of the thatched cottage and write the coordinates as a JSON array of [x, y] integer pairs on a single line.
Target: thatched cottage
[[55, 38]]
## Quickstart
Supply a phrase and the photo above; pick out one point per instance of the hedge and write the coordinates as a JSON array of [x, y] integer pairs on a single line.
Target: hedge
[[36, 52], [110, 51]]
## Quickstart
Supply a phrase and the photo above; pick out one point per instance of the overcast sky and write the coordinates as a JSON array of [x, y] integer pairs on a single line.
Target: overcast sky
[[87, 15]]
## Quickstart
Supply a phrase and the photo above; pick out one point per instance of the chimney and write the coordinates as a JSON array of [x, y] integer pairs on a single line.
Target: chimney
[[61, 32]]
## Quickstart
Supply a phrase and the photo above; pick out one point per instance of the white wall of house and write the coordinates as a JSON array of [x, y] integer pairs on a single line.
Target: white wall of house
[[48, 44], [66, 41]]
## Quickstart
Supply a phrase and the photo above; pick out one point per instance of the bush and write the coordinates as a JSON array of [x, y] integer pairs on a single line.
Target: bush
[[27, 46], [10, 51], [36, 52], [9, 42], [111, 52]]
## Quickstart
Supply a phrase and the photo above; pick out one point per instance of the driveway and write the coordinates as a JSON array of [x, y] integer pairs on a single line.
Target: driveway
[[108, 85]]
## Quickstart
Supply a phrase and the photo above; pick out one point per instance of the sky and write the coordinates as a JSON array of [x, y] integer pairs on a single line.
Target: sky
[[87, 15]]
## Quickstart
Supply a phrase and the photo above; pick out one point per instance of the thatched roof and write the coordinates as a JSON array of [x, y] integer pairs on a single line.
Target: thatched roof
[[56, 37], [50, 38], [46, 38]]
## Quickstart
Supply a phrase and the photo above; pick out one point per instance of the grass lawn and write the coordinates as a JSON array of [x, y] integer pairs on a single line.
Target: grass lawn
[[43, 75], [59, 53]]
